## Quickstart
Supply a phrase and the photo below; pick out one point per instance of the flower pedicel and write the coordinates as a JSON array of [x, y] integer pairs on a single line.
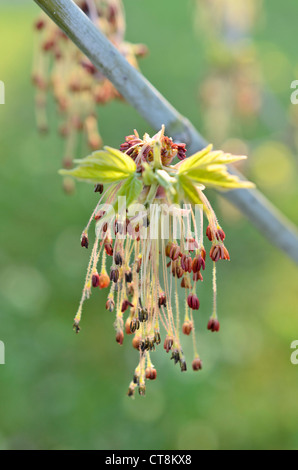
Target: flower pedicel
[[154, 241]]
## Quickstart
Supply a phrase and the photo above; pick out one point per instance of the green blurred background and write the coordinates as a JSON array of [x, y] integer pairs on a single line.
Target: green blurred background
[[62, 391]]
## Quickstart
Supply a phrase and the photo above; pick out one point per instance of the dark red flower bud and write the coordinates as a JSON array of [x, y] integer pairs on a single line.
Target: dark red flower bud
[[168, 344], [162, 300], [84, 241], [177, 272], [197, 364], [209, 233], [118, 259], [128, 276], [186, 263], [181, 151], [175, 252], [99, 188], [213, 325], [220, 234], [193, 302], [109, 249], [125, 305], [95, 280], [198, 263], [218, 252], [151, 373], [114, 275], [215, 253]]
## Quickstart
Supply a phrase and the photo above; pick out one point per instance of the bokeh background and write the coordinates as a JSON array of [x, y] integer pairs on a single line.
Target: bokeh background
[[62, 391]]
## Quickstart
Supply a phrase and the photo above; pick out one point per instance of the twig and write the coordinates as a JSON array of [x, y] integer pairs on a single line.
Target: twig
[[157, 111]]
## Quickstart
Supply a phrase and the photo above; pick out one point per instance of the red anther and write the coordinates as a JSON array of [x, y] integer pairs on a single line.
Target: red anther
[[193, 302], [209, 233], [198, 264], [186, 263], [179, 272], [187, 328], [84, 241], [175, 252], [99, 188], [162, 300], [168, 344], [109, 249], [220, 234], [215, 253], [124, 147], [104, 281], [197, 277], [151, 373], [203, 253], [40, 24], [218, 252], [95, 280], [114, 275], [120, 337], [125, 305], [197, 364], [213, 325], [181, 151]]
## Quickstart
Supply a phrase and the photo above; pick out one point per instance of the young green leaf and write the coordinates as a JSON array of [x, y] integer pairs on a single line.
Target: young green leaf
[[104, 166]]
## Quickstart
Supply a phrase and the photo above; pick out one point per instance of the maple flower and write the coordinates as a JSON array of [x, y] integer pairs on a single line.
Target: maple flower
[[78, 88], [155, 242]]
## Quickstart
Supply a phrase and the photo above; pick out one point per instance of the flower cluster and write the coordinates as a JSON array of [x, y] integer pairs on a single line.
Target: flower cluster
[[77, 86], [155, 242], [231, 91]]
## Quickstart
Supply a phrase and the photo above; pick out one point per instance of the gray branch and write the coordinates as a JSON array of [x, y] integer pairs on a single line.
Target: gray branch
[[157, 111]]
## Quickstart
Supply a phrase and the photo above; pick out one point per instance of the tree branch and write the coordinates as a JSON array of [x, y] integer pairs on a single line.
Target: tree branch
[[157, 111]]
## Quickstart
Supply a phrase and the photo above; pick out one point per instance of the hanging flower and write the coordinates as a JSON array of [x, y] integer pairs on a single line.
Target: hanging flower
[[62, 70], [154, 241]]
